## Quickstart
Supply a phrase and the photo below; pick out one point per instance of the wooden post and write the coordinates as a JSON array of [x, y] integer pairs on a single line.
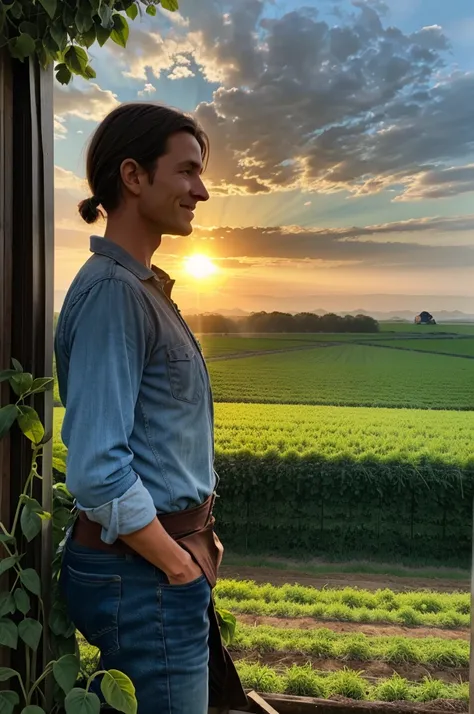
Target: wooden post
[[26, 273]]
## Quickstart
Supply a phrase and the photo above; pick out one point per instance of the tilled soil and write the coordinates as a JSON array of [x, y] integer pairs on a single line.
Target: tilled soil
[[309, 623], [371, 670], [369, 581]]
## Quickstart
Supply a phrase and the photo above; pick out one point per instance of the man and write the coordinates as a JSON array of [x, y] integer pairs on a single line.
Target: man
[[142, 558]]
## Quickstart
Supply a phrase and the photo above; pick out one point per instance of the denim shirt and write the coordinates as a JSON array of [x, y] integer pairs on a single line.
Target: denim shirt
[[139, 421]]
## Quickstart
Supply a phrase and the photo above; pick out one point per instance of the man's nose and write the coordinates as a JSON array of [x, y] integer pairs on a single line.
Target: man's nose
[[199, 191]]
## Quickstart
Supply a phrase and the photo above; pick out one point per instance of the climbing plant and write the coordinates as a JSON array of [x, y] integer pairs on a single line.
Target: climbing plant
[[23, 616], [62, 31]]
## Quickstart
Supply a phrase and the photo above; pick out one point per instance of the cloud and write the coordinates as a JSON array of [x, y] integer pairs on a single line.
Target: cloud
[[181, 72], [147, 90], [84, 100], [65, 180], [374, 245], [356, 106], [60, 130], [440, 183]]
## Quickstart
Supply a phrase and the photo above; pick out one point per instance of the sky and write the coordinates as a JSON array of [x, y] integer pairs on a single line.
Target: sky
[[341, 170]]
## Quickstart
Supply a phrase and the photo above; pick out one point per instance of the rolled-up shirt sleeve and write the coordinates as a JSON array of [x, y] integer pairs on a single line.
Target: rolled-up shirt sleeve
[[106, 337]]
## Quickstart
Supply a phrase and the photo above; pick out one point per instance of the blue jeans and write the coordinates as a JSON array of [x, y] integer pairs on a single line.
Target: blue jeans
[[154, 632]]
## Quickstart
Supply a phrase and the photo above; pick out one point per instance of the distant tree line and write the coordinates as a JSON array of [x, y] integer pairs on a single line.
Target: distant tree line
[[282, 322]]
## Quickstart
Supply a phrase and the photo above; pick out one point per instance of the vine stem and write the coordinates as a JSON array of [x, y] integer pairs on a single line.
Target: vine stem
[[47, 671], [26, 488]]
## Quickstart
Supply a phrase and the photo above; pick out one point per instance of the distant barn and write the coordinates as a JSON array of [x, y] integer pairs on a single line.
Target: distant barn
[[425, 318]]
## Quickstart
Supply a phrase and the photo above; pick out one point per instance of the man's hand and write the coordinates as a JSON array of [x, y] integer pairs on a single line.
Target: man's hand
[[190, 572], [155, 545]]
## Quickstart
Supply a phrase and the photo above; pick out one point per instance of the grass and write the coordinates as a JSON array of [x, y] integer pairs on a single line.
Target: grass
[[348, 375], [305, 681], [215, 346], [411, 609], [326, 644], [421, 330]]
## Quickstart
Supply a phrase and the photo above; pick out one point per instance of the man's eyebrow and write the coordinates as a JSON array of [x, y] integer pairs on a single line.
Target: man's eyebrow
[[191, 164]]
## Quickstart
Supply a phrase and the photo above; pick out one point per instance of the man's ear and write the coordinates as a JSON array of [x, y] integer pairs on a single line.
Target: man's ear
[[131, 174]]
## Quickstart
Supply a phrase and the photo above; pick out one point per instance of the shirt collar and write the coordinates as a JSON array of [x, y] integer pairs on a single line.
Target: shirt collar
[[102, 246]]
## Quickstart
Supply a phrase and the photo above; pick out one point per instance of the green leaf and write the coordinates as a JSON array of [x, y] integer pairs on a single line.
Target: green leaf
[[227, 625], [6, 374], [59, 622], [33, 709], [88, 38], [8, 634], [132, 11], [42, 384], [89, 72], [21, 47], [84, 19], [105, 14], [30, 424], [22, 601], [76, 59], [30, 632], [103, 34], [120, 33], [78, 701], [16, 10], [29, 28], [7, 604], [8, 563], [8, 415], [17, 365], [8, 701], [119, 691], [151, 10], [59, 35], [65, 672], [6, 538], [63, 75], [30, 523], [31, 581], [171, 5], [7, 673], [50, 7], [31, 503], [22, 381]]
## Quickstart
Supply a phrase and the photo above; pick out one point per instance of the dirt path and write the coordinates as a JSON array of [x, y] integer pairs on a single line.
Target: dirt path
[[372, 630], [368, 581], [370, 670]]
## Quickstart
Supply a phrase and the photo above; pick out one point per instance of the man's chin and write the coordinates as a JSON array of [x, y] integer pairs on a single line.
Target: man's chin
[[182, 229]]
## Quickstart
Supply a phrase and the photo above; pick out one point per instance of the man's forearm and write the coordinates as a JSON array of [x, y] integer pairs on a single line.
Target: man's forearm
[[155, 545]]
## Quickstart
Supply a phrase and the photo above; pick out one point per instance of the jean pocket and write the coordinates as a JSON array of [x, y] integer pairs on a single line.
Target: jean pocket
[[93, 603], [185, 378], [184, 586]]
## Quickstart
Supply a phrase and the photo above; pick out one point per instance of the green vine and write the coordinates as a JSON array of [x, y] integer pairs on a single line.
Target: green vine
[[62, 31], [22, 612]]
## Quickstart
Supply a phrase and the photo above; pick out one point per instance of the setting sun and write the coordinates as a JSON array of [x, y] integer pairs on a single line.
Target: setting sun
[[200, 266]]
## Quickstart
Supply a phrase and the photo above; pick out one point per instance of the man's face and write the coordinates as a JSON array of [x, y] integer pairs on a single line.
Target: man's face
[[168, 203]]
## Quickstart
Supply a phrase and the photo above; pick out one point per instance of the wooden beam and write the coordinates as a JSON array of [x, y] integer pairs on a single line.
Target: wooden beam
[[26, 274], [286, 704]]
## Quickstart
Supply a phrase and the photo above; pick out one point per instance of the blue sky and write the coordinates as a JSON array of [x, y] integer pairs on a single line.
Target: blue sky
[[358, 117]]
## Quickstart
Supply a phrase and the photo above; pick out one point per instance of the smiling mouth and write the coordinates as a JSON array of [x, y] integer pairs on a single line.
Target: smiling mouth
[[189, 211]]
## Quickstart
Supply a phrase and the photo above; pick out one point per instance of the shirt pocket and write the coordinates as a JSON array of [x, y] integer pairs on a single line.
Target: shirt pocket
[[184, 374]]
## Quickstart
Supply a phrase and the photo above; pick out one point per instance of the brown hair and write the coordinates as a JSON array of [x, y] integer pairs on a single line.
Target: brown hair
[[138, 131]]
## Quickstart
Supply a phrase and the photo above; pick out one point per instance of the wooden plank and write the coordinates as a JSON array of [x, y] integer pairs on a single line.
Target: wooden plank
[[260, 705], [286, 704]]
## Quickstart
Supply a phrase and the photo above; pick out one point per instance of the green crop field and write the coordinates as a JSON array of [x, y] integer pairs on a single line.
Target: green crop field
[[452, 328], [350, 375], [456, 346], [215, 346]]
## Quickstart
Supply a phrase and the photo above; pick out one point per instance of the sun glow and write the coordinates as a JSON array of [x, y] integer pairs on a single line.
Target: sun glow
[[200, 266]]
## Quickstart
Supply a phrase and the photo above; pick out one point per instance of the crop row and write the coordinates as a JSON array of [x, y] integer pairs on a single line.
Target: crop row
[[326, 644], [350, 375], [442, 610], [304, 681]]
